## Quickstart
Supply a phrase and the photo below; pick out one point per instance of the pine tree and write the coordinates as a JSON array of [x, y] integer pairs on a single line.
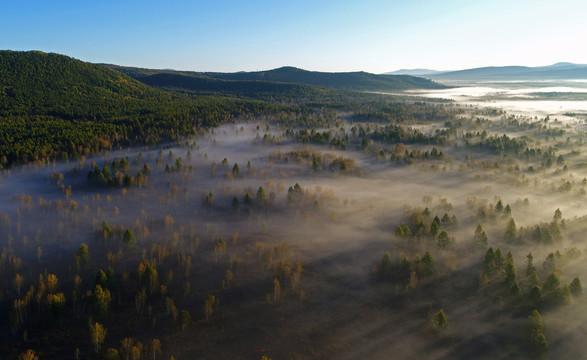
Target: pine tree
[[101, 279], [564, 295], [547, 235], [434, 229], [480, 237], [248, 201], [106, 229], [515, 290], [507, 211], [129, 239], [440, 320], [489, 262], [405, 269], [427, 265], [511, 232], [444, 240], [558, 215], [510, 274], [530, 264], [261, 196], [82, 256], [549, 264], [499, 260], [576, 287], [534, 324], [499, 207], [551, 284], [555, 231], [532, 280], [535, 329], [535, 296]]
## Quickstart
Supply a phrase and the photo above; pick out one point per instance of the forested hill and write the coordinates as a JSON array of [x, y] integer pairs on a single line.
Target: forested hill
[[343, 80], [37, 83], [53, 106], [294, 78], [200, 84]]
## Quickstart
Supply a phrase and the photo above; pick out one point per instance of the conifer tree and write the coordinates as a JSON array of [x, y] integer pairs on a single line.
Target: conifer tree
[[385, 267], [576, 287], [511, 232], [440, 320], [480, 237]]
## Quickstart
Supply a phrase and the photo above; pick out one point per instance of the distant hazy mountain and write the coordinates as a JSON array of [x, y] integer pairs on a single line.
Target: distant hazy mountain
[[414, 72], [562, 70]]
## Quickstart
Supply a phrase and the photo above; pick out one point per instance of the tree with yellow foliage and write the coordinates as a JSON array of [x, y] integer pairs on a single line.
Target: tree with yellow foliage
[[97, 336], [28, 355]]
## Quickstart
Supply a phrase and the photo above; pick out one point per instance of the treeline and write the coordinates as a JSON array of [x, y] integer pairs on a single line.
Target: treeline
[[407, 112]]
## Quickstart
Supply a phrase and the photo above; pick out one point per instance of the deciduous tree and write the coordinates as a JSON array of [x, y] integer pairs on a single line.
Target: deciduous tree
[[186, 319], [28, 355], [97, 336], [210, 306]]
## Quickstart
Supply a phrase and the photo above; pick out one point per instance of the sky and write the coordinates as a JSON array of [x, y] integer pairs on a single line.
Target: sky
[[342, 35]]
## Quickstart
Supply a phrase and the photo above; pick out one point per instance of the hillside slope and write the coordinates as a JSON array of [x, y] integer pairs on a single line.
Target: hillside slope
[[53, 106]]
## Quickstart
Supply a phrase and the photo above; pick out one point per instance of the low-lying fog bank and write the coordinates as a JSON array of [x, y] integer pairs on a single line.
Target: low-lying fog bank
[[290, 239]]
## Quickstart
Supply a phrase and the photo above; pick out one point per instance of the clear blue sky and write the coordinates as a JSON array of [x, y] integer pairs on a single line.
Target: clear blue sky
[[342, 35]]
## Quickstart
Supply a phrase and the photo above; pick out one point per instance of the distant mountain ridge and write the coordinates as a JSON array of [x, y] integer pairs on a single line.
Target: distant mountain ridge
[[198, 84], [414, 72], [561, 70], [284, 75]]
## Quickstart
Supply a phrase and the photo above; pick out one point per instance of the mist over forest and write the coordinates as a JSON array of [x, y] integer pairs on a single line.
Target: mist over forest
[[437, 224]]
